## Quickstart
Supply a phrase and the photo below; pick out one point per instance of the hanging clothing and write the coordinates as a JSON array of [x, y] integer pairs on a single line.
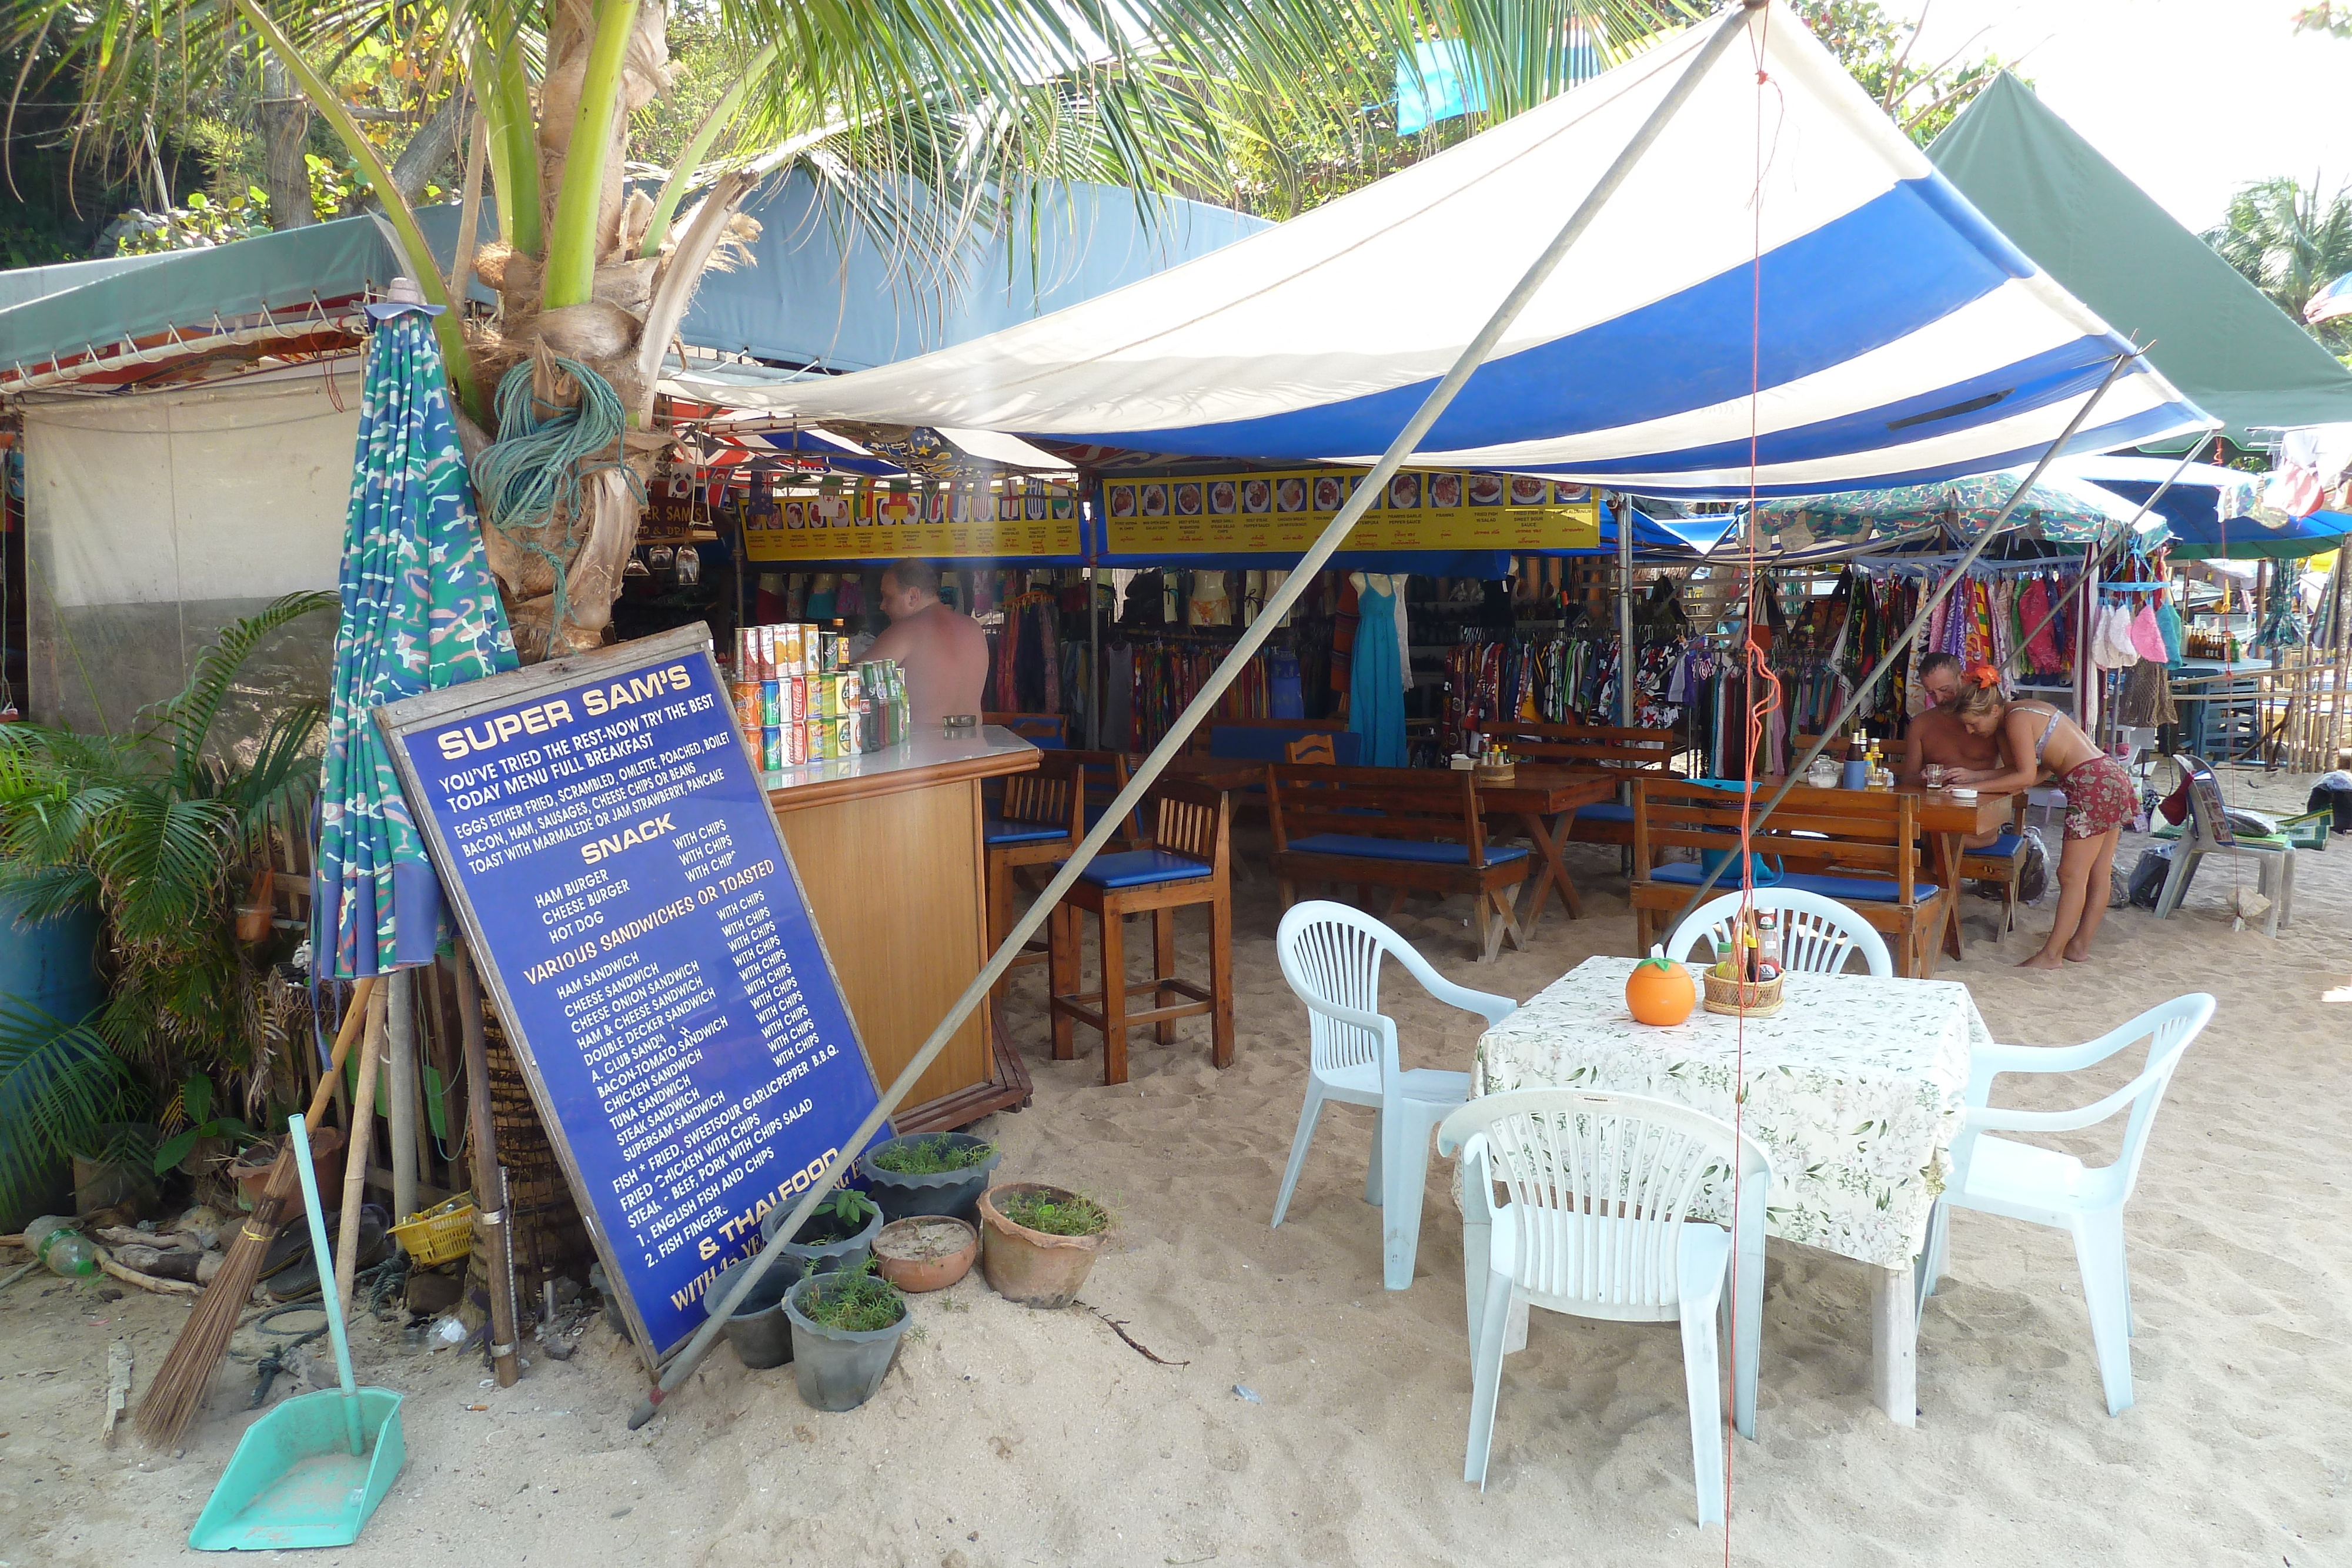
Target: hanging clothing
[[1376, 708]]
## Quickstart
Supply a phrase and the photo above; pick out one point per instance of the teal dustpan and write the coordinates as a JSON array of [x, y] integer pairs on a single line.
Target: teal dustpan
[[309, 1472]]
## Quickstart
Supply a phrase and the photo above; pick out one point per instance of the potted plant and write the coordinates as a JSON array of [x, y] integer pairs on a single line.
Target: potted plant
[[926, 1251], [928, 1172], [155, 831], [756, 1328], [1037, 1242], [846, 1328], [838, 1235]]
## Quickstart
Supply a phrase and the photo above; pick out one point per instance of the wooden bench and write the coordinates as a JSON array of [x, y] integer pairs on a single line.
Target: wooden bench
[[1859, 847], [2002, 862], [1407, 829], [1277, 731], [1598, 748]]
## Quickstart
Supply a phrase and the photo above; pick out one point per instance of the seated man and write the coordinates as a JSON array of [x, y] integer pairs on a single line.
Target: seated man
[[1939, 736]]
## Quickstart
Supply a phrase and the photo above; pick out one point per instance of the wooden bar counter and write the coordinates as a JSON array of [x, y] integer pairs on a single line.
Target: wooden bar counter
[[888, 847]]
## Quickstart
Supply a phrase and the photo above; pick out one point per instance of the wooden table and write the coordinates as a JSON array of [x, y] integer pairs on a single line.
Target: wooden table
[[1855, 1089], [1545, 796]]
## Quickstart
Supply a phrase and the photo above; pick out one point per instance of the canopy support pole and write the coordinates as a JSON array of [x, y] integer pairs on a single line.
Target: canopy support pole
[[1927, 609], [1318, 555], [1624, 610]]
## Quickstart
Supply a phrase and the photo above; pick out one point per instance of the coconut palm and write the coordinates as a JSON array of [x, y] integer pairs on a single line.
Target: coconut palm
[[2290, 242], [931, 120]]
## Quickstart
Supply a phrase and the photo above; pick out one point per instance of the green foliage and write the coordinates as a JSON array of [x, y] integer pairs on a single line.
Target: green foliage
[[856, 1302], [2333, 19], [153, 829], [1877, 50], [194, 1106], [60, 1083], [1069, 1215], [933, 1156], [2290, 242], [198, 225]]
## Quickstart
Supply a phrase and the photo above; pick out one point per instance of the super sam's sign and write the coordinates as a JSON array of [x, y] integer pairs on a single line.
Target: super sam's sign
[[604, 836]]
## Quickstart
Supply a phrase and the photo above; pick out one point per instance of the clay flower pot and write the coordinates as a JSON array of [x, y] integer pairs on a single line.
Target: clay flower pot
[[925, 1253], [1027, 1266]]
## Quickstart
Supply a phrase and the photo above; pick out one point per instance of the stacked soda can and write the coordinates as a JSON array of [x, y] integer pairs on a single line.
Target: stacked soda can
[[798, 700]]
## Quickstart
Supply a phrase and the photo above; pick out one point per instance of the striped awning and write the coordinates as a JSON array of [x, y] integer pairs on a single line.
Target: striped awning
[[1898, 337]]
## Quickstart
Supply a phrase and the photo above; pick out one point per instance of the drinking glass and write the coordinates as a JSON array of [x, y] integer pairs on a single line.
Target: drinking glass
[[1932, 775]]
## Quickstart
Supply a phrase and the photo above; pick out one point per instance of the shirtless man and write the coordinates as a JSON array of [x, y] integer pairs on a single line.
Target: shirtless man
[[943, 652], [1939, 736]]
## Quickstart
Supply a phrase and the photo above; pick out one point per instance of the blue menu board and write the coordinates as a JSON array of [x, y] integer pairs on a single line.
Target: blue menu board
[[602, 832]]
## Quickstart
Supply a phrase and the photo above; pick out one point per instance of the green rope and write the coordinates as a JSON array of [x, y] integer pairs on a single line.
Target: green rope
[[537, 462]]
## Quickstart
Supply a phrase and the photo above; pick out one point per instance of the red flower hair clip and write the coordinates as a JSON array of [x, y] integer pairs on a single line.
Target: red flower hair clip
[[1984, 676]]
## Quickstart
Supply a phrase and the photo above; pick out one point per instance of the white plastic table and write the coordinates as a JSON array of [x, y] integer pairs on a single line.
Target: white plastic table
[[1853, 1089]]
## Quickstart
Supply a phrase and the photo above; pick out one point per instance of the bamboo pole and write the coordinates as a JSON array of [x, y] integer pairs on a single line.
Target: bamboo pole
[[490, 1180]]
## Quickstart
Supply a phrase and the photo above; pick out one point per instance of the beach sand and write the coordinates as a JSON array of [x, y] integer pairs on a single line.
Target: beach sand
[[1006, 1435]]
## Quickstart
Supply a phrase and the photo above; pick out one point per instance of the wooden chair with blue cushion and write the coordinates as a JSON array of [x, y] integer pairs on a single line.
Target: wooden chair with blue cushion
[[1049, 731], [1408, 830], [1105, 774], [1184, 862], [2001, 861], [1037, 821], [1860, 847]]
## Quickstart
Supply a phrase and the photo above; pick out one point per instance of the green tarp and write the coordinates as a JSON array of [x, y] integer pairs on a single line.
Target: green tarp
[[2213, 334]]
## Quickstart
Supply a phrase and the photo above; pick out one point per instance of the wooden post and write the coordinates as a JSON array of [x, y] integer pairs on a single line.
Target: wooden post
[[358, 1152], [490, 1181]]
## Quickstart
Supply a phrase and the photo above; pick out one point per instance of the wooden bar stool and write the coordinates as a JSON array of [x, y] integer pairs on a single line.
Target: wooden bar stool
[[1184, 862], [1105, 773], [1038, 821]]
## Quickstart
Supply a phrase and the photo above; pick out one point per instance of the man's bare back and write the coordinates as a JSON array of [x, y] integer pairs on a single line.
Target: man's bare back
[[1943, 739], [945, 655]]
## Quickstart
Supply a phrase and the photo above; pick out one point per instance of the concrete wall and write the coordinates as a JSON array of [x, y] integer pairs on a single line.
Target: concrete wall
[[155, 518]]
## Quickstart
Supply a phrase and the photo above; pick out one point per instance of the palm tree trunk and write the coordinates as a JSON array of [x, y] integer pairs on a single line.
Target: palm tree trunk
[[285, 117]]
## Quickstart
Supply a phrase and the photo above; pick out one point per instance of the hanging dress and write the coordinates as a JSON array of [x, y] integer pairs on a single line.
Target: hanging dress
[[1376, 697]]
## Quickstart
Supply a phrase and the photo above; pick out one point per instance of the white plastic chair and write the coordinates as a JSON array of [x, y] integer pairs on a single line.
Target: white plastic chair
[[2202, 836], [1331, 956], [2042, 1186], [1816, 933], [1600, 1188]]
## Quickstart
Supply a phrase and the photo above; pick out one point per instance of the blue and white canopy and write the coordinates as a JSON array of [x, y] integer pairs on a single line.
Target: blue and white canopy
[[1900, 337]]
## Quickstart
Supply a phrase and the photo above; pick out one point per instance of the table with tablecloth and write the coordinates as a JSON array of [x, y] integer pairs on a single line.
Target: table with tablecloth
[[1853, 1089]]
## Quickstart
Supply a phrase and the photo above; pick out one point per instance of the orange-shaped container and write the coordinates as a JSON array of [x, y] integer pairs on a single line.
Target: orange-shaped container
[[1659, 992]]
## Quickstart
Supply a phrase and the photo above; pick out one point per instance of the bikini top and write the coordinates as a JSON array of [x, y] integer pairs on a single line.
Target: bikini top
[[2042, 741]]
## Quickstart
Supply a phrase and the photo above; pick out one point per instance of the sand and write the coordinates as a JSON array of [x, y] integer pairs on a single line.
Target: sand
[[1006, 1435]]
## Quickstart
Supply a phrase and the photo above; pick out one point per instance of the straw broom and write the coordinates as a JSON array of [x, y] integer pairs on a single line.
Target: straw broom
[[180, 1383]]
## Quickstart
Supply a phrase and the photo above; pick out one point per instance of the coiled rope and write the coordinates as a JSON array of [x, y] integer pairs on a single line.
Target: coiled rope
[[539, 460]]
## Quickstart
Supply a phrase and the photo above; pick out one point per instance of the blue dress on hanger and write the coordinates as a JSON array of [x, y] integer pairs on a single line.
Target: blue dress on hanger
[[1376, 681]]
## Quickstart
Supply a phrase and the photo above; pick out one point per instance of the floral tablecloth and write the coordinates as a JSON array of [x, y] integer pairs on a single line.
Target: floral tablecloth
[[1853, 1089]]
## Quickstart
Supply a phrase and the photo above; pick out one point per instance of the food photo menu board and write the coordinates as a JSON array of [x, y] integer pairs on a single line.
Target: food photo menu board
[[1282, 512], [865, 521], [602, 834]]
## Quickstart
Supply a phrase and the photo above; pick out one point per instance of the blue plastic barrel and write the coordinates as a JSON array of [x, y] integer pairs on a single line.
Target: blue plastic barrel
[[50, 962]]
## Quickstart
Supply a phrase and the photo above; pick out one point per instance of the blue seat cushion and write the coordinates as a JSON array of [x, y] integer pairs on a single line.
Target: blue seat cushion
[[1845, 889], [1414, 850], [1138, 868], [1247, 743], [996, 830], [1606, 812], [2003, 847]]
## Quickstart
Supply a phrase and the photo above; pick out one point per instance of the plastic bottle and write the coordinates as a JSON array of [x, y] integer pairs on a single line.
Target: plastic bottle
[[56, 1242], [1767, 943]]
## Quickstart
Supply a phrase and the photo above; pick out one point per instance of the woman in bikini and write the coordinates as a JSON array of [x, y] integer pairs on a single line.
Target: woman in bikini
[[2099, 800]]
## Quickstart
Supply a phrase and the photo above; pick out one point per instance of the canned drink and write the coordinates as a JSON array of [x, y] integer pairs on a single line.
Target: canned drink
[[745, 696], [771, 750], [820, 739], [845, 737], [767, 653], [795, 745], [850, 690], [828, 653], [747, 653], [788, 650], [772, 702], [796, 700], [820, 698]]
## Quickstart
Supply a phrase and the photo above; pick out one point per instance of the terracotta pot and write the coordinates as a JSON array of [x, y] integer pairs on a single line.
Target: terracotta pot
[[925, 1253], [1029, 1266], [250, 1170]]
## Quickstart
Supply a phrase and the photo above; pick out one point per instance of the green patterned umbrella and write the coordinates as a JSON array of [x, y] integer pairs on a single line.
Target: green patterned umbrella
[[420, 612], [2064, 511]]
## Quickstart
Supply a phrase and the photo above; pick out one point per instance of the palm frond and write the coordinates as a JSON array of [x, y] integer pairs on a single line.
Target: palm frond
[[60, 1084], [184, 722]]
